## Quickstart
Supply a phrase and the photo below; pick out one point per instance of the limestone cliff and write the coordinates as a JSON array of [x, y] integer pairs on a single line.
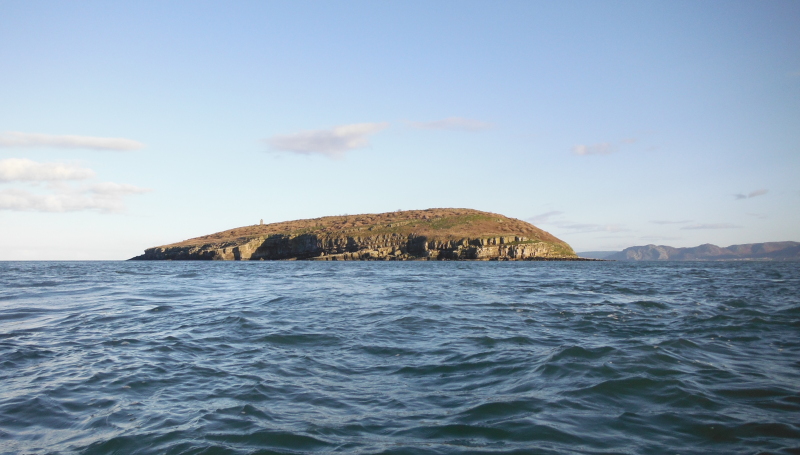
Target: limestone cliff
[[433, 234]]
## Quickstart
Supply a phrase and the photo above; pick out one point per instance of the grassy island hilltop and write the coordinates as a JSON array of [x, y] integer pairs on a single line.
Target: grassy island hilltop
[[432, 234]]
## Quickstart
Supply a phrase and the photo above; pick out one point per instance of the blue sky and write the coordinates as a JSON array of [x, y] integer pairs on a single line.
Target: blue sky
[[125, 125]]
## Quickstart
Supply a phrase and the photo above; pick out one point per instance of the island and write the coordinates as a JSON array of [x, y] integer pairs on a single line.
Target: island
[[432, 234]]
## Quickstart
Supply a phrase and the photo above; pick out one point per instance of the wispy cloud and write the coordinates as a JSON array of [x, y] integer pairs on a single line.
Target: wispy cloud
[[59, 196], [669, 221], [111, 189], [543, 218], [17, 139], [332, 143], [102, 197], [453, 123], [604, 148], [580, 228], [23, 170], [755, 193], [712, 226], [652, 238], [554, 218]]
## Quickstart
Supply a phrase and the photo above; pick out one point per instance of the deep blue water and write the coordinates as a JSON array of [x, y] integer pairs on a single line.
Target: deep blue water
[[399, 357]]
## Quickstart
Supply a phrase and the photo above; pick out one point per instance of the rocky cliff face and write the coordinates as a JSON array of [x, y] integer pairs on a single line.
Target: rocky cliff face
[[435, 234], [383, 247]]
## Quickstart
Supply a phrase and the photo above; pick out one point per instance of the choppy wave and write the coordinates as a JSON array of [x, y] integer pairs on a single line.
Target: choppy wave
[[399, 358]]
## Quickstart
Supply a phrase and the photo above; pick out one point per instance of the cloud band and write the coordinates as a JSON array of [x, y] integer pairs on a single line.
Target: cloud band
[[17, 139], [332, 143], [755, 193], [102, 197], [22, 170]]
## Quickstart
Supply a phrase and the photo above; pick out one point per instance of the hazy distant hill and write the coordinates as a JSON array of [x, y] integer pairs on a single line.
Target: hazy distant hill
[[770, 251]]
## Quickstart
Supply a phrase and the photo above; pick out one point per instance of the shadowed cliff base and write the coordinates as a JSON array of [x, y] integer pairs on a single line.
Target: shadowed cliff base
[[432, 234]]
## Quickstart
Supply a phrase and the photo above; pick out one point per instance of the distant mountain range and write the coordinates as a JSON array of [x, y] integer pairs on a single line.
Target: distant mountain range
[[769, 251]]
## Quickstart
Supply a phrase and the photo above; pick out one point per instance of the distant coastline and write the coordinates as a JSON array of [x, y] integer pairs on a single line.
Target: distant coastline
[[767, 251]]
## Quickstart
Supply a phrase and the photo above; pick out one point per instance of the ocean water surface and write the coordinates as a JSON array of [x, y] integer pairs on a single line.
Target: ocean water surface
[[399, 357]]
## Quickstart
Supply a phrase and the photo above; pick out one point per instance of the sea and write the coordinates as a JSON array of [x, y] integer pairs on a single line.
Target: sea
[[399, 357]]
